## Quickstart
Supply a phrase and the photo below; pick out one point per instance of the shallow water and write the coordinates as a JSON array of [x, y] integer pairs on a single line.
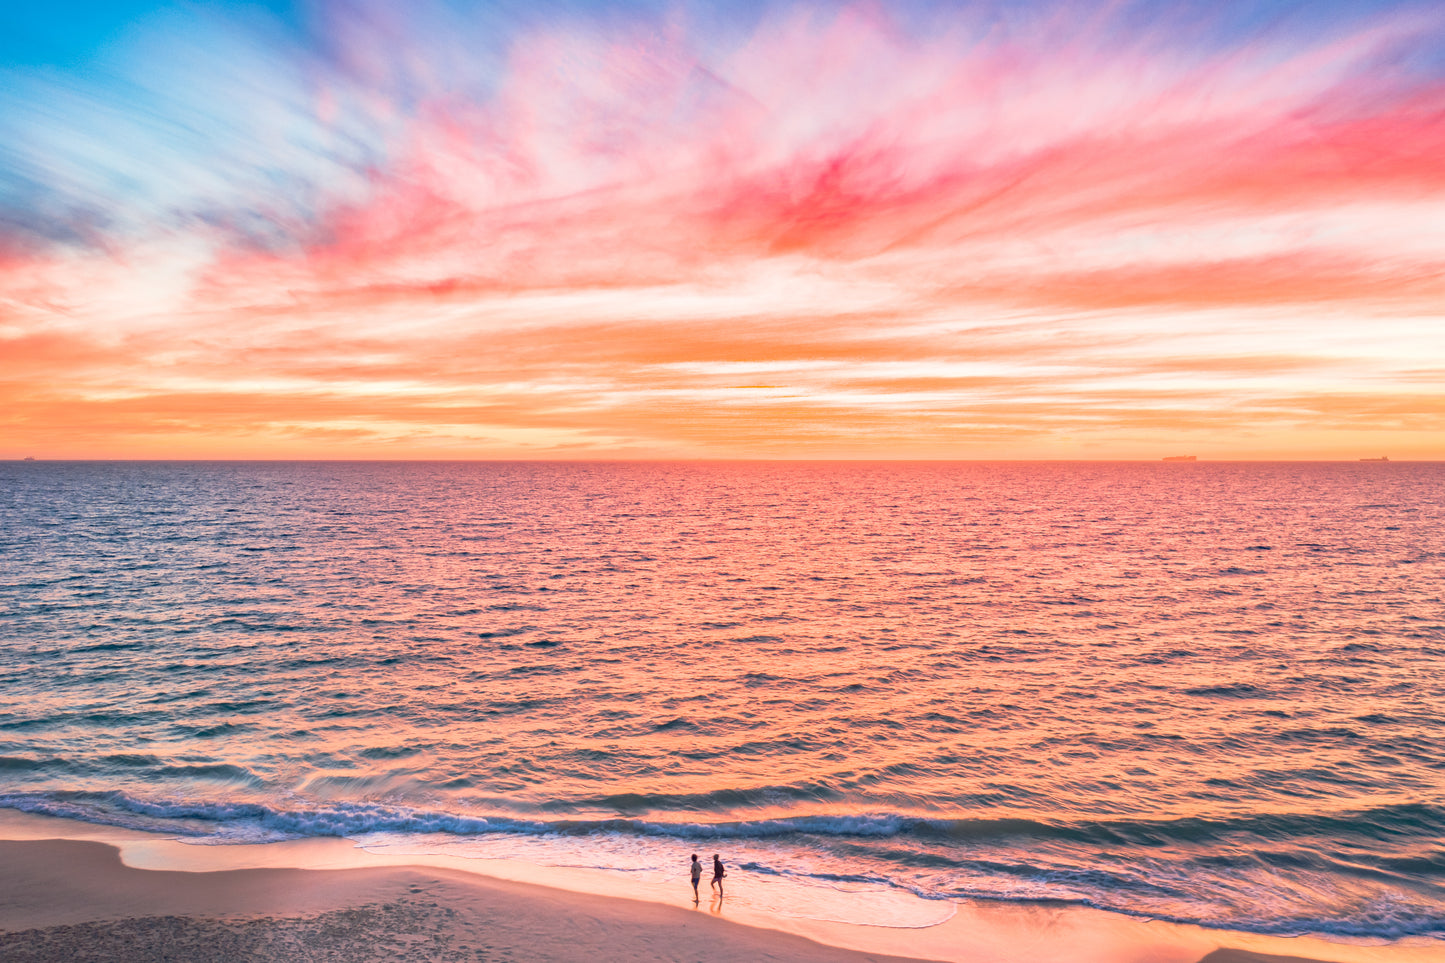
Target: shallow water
[[1202, 692]]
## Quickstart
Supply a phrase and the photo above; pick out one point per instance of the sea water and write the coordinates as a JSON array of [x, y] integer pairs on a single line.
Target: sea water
[[1208, 693]]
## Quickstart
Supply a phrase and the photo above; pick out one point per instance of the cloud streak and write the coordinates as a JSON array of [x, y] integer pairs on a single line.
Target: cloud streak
[[860, 233]]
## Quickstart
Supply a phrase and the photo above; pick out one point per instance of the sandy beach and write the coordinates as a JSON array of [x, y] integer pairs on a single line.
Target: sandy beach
[[75, 892], [75, 900]]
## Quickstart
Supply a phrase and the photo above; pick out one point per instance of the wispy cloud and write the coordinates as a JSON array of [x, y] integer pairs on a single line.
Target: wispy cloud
[[1033, 233]]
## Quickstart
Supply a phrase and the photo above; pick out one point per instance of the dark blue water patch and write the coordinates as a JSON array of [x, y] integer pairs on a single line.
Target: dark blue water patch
[[119, 646], [30, 764], [132, 761], [262, 622], [1322, 735], [391, 752], [122, 719], [504, 706], [506, 633], [1235, 690], [242, 706], [1364, 647], [218, 771], [457, 782], [24, 725], [1423, 866], [538, 669], [701, 804], [756, 749], [342, 712]]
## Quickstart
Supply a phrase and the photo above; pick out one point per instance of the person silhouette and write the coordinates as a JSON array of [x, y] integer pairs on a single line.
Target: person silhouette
[[696, 875], [717, 874]]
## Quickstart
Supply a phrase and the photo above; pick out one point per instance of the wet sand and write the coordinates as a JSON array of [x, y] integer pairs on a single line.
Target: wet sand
[[75, 899]]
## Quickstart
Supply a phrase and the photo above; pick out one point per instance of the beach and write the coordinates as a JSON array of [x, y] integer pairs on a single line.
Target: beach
[[74, 900], [75, 892]]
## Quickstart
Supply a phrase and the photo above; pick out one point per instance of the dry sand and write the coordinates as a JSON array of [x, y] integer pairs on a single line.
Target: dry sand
[[74, 900]]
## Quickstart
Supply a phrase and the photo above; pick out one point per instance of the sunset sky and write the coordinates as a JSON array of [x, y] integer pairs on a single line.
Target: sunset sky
[[588, 230]]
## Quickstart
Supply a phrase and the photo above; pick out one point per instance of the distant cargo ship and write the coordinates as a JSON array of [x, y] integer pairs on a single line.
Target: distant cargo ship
[[1381, 458], [1180, 458]]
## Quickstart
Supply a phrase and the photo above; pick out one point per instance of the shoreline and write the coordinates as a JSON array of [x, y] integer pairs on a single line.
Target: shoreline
[[74, 885]]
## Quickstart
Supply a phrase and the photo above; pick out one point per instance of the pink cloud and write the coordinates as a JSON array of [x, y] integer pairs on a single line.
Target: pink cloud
[[629, 208]]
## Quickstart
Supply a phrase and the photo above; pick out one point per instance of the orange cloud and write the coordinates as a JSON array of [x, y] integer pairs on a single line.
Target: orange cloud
[[833, 238]]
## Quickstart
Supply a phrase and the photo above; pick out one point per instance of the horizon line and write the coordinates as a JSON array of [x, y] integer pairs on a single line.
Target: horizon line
[[742, 460]]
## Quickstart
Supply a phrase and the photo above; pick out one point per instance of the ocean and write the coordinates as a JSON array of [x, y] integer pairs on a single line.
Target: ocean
[[1201, 692]]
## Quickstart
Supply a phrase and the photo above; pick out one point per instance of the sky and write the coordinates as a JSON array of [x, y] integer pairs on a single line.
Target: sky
[[1023, 230]]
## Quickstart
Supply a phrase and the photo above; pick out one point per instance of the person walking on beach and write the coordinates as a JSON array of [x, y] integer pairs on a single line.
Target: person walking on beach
[[696, 875], [717, 874]]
